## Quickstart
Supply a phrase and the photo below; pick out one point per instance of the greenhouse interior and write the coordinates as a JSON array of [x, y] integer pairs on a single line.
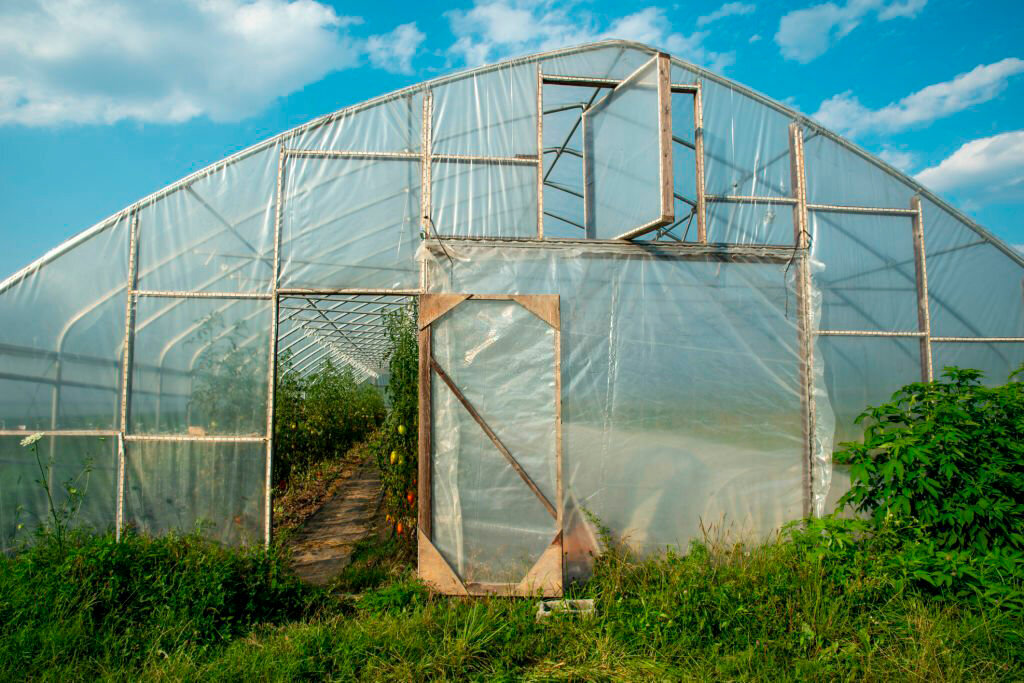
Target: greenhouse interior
[[650, 300]]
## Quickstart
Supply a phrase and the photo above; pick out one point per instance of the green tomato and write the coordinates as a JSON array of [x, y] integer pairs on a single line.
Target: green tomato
[[401, 429]]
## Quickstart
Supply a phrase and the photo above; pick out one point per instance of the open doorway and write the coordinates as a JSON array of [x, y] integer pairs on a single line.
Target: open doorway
[[345, 406]]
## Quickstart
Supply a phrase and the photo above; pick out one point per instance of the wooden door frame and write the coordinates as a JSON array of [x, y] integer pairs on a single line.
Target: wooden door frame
[[546, 577]]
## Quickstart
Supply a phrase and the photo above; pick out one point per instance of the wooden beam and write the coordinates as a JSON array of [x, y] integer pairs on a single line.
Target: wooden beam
[[494, 438], [664, 79], [433, 306], [544, 306], [545, 577], [425, 448], [435, 570]]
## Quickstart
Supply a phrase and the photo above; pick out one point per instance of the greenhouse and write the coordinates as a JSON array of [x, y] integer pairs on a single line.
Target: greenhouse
[[650, 300]]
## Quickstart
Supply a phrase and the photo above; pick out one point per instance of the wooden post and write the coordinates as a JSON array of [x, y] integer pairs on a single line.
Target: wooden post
[[698, 144], [424, 463], [805, 340], [924, 324]]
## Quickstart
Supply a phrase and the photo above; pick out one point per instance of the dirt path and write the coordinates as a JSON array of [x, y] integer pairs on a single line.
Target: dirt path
[[322, 547]]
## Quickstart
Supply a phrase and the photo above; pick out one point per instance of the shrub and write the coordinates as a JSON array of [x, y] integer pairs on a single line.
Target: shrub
[[940, 481], [397, 443], [947, 454], [95, 599], [320, 416]]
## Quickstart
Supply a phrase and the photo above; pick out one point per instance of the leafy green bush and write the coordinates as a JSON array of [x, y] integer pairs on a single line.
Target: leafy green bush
[[320, 416], [949, 455], [397, 443], [90, 597], [939, 480]]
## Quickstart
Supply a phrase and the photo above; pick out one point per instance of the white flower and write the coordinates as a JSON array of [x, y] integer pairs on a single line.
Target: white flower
[[29, 440]]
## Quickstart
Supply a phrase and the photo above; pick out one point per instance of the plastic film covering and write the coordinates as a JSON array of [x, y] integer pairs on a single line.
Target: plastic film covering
[[61, 337], [350, 223], [182, 486], [688, 367], [393, 125], [200, 366], [487, 523], [868, 280], [214, 234], [477, 199], [996, 360], [604, 61], [975, 289], [838, 175], [84, 463], [623, 152]]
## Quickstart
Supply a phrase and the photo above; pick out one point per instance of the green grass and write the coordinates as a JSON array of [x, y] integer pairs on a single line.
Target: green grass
[[183, 609]]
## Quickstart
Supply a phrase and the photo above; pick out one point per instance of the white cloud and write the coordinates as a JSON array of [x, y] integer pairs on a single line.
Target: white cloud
[[394, 51], [991, 166], [102, 61], [899, 159], [807, 33], [845, 114], [495, 29], [727, 10], [754, 38]]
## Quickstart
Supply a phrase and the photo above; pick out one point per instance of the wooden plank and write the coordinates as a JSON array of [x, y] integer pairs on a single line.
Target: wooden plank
[[544, 306], [435, 571], [433, 306], [668, 213], [545, 577], [425, 462], [803, 294], [494, 438], [698, 143]]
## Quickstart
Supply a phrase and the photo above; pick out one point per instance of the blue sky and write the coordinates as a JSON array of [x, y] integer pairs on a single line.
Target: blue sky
[[105, 101]]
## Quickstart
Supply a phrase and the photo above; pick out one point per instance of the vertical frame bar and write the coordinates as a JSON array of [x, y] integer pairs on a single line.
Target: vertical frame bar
[[698, 145], [540, 154], [425, 463], [560, 503], [268, 510], [803, 294], [426, 144], [665, 176], [924, 324], [126, 366]]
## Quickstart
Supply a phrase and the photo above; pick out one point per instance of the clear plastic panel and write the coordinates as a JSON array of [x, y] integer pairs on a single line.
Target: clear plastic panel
[[746, 144], [974, 288], [867, 279], [200, 366], [394, 125], [215, 234], [488, 114], [622, 150], [863, 371], [350, 223], [487, 522], [606, 61], [748, 223], [86, 464], [182, 485], [61, 337], [680, 387], [484, 200], [837, 175], [997, 360]]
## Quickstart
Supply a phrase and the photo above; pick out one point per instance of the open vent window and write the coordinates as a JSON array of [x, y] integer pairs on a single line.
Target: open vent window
[[619, 159]]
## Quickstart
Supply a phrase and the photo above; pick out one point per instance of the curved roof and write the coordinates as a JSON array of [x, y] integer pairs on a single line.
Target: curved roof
[[697, 72]]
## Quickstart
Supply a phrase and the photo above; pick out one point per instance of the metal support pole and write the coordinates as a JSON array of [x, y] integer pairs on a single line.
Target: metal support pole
[[804, 319], [127, 367], [540, 153], [268, 507], [921, 277]]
